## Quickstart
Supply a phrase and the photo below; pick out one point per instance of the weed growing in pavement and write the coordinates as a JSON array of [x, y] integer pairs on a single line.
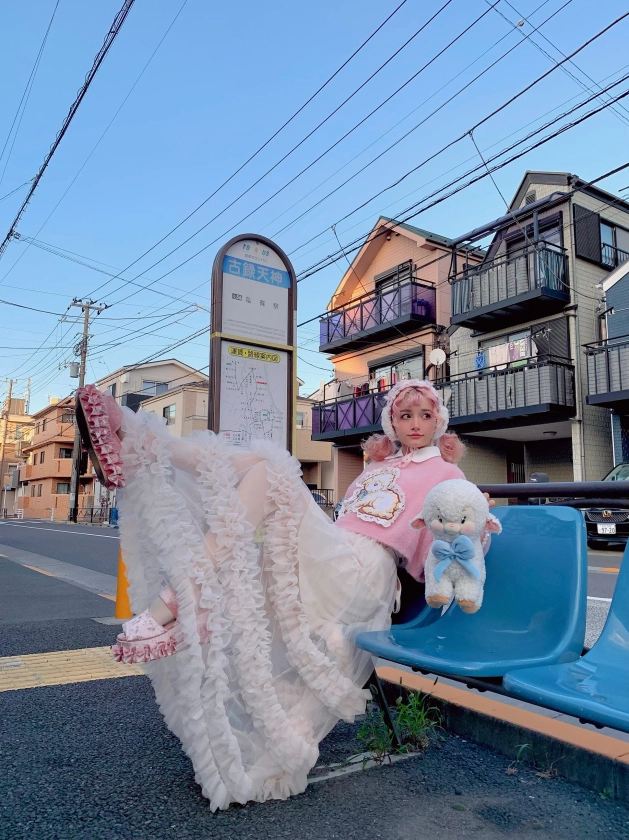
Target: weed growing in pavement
[[512, 769], [416, 720], [375, 736]]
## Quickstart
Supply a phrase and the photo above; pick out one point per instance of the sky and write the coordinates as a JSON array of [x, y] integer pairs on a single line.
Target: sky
[[190, 90]]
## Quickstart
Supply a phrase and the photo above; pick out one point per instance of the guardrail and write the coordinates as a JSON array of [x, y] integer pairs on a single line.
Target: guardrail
[[559, 490], [323, 497]]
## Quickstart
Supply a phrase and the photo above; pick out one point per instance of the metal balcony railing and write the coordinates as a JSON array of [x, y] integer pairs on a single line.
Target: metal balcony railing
[[514, 389], [607, 367], [323, 497], [612, 256], [344, 416], [401, 301], [534, 267]]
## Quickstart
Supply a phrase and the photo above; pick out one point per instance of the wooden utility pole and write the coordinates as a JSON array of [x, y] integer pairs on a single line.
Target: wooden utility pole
[[87, 307], [6, 413]]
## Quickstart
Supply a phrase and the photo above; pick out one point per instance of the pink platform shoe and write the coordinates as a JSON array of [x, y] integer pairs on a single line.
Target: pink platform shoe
[[99, 419], [144, 639]]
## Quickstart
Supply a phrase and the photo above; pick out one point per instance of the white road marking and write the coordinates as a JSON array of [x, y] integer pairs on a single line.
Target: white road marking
[[60, 531], [594, 598]]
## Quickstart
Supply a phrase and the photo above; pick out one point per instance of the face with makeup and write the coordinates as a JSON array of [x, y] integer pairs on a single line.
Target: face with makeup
[[414, 421]]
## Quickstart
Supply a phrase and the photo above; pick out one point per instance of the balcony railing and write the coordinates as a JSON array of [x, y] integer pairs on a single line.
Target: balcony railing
[[397, 307], [323, 497], [608, 373], [537, 392], [527, 283], [612, 256], [348, 418]]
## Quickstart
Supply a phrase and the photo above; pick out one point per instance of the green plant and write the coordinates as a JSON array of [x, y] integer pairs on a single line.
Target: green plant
[[606, 793], [375, 736], [512, 769], [416, 720]]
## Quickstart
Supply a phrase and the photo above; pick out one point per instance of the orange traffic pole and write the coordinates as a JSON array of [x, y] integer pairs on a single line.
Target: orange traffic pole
[[123, 605]]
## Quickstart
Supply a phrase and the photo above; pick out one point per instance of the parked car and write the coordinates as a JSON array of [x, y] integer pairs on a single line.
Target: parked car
[[609, 523]]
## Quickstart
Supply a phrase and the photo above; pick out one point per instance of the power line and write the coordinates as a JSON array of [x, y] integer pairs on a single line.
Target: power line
[[97, 144], [310, 165], [414, 128], [273, 136], [100, 57], [25, 97], [485, 119]]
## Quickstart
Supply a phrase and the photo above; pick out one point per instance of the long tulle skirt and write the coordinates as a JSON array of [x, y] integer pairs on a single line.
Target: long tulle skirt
[[282, 601]]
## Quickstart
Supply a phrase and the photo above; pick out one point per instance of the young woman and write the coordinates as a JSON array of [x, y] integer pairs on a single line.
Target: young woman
[[234, 567]]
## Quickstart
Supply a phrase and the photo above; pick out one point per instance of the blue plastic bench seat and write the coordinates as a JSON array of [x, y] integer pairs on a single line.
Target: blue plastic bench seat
[[596, 687], [534, 609]]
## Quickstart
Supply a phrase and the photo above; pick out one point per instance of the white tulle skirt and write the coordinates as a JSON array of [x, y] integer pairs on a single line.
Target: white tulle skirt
[[283, 602]]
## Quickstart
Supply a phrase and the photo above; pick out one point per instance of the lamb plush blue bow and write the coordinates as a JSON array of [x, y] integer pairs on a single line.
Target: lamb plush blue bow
[[461, 549]]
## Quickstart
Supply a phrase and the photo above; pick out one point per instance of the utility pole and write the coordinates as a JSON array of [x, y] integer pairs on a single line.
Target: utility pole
[[6, 413], [87, 307]]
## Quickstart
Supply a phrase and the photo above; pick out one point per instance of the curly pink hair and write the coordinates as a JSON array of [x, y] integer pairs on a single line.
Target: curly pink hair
[[378, 447]]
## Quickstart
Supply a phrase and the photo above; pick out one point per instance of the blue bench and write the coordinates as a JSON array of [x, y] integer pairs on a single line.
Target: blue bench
[[596, 687], [534, 610]]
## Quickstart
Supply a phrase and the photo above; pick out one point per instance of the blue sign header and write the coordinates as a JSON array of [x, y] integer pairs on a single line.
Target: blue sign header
[[255, 271]]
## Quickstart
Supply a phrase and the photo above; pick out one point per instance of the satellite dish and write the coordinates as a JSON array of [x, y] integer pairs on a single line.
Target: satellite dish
[[437, 357]]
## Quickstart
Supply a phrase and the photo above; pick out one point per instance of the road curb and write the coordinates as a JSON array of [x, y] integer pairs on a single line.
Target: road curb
[[595, 761]]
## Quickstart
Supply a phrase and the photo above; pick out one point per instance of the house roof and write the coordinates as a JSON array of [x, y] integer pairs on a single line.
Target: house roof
[[150, 364], [614, 276], [562, 179], [66, 402]]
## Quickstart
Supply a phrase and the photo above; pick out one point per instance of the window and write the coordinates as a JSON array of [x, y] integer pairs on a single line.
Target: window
[[42, 456], [112, 389], [43, 425], [67, 418], [63, 488], [152, 389], [169, 413], [39, 489], [37, 428], [32, 489], [300, 419], [65, 452], [599, 240]]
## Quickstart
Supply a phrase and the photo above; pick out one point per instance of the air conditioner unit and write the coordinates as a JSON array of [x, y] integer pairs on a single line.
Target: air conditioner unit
[[125, 378]]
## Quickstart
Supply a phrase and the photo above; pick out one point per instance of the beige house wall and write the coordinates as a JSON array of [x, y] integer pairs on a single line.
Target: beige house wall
[[173, 372]]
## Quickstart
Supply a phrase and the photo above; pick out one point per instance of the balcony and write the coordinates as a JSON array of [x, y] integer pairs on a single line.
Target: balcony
[[398, 307], [528, 283], [536, 392], [608, 373], [348, 420], [613, 257]]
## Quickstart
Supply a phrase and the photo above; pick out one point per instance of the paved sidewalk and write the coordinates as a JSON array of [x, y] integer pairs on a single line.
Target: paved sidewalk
[[94, 761]]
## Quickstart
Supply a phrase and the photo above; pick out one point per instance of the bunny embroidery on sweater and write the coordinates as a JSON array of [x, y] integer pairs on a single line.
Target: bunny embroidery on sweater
[[377, 497]]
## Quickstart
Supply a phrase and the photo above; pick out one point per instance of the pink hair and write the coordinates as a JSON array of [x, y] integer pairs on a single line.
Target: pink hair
[[378, 447]]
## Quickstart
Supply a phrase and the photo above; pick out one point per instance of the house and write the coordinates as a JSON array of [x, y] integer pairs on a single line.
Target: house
[[314, 456], [519, 390], [608, 358], [184, 407], [16, 430], [390, 310], [133, 384], [44, 490]]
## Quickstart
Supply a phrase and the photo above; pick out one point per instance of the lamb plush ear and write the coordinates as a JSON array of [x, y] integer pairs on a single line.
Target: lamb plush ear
[[419, 522], [493, 525]]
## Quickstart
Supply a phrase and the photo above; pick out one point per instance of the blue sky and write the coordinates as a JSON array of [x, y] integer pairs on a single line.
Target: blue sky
[[223, 80]]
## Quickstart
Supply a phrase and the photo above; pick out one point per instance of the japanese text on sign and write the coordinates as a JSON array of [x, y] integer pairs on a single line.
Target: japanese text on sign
[[249, 353], [254, 271]]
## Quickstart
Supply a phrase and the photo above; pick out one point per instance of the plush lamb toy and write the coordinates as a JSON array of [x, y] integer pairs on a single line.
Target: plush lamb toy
[[456, 513]]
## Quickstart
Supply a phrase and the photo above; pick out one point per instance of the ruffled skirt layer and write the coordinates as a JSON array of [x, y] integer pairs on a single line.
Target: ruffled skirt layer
[[283, 603]]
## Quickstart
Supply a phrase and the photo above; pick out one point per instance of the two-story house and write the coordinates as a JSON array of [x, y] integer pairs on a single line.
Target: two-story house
[[45, 480], [133, 384], [391, 308], [518, 385]]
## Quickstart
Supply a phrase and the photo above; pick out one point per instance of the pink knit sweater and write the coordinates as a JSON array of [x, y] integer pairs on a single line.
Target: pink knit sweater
[[384, 498]]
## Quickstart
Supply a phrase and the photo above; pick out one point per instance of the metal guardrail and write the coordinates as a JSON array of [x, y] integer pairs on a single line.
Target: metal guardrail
[[607, 365], [323, 497], [558, 490], [96, 515]]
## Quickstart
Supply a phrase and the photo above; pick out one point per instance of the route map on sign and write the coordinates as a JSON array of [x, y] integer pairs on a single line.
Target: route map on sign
[[253, 394]]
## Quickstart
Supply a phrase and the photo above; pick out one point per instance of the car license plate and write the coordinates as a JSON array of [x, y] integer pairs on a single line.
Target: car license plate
[[606, 529]]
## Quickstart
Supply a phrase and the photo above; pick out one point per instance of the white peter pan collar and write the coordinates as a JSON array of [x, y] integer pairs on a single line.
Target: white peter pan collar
[[418, 455]]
